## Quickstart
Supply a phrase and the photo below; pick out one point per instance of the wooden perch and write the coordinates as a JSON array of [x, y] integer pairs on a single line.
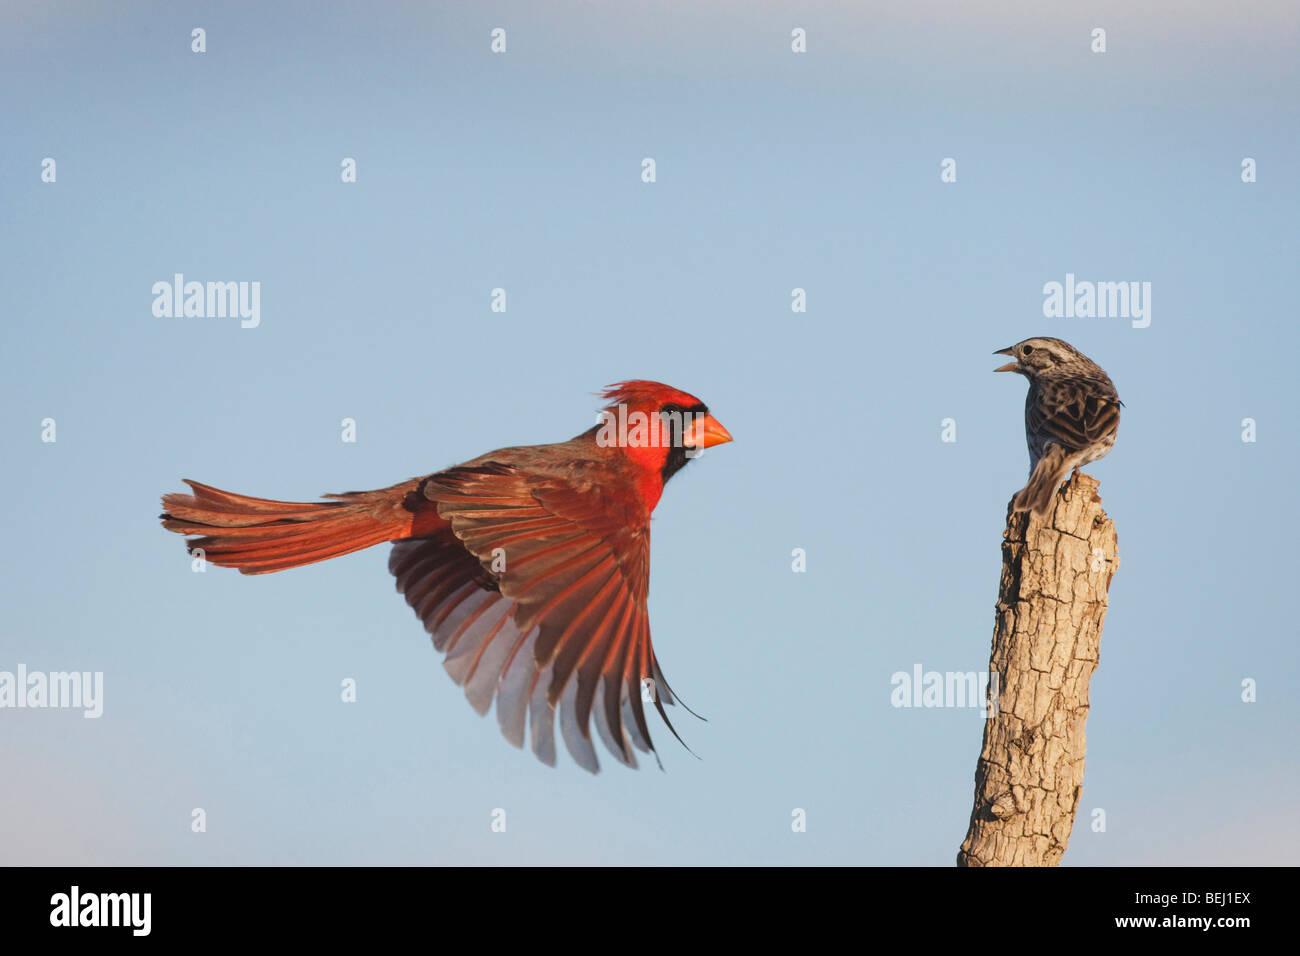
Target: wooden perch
[[1056, 574]]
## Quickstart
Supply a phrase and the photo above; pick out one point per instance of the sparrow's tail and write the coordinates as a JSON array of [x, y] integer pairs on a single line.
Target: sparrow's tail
[[1047, 477], [258, 535]]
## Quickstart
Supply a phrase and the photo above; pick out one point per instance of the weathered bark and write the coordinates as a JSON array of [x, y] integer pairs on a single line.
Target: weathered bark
[[1056, 573]]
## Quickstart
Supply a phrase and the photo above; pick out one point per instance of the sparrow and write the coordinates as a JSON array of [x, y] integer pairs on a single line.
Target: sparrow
[[529, 566], [1071, 415]]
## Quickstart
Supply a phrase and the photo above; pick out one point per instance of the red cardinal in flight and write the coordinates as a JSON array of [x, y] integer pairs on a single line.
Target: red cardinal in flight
[[529, 566]]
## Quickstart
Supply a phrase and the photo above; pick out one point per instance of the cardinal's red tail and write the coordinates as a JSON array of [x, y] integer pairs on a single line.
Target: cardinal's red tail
[[258, 535]]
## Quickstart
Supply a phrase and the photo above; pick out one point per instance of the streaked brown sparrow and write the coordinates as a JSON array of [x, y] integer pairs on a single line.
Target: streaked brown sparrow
[[1071, 415]]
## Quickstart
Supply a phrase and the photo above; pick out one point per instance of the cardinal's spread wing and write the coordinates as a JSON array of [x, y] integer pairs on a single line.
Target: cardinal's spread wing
[[1074, 412], [536, 593]]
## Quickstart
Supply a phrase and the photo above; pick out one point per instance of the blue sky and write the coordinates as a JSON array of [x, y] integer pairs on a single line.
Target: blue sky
[[521, 171]]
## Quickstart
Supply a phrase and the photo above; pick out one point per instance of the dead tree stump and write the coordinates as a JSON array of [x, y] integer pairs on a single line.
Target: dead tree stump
[[1056, 574]]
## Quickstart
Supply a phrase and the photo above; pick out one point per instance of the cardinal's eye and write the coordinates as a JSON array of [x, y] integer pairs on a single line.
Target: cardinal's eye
[[1028, 349]]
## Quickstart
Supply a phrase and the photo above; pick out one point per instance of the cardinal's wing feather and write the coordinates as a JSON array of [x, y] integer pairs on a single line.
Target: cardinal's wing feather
[[545, 603]]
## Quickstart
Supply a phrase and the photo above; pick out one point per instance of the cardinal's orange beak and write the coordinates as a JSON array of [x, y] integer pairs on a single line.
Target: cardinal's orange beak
[[705, 432]]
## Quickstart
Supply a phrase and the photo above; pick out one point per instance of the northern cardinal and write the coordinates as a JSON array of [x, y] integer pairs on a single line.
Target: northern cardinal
[[529, 566]]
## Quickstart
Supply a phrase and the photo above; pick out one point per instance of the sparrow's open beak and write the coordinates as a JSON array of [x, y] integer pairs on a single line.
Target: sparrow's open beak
[[705, 432], [1010, 366]]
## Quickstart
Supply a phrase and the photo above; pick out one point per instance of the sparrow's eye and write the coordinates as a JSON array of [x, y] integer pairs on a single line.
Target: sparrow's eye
[[1028, 349]]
